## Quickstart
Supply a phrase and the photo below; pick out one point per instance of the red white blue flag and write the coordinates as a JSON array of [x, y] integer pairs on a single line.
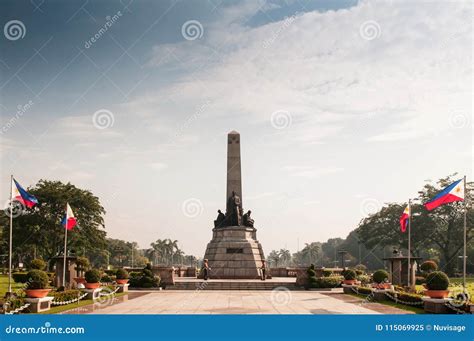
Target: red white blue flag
[[19, 194], [69, 220], [452, 193], [405, 219]]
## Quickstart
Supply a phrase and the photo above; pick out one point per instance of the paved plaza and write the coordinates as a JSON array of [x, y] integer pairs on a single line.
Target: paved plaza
[[241, 302]]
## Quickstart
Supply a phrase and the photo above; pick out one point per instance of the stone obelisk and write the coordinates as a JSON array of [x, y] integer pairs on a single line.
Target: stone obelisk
[[234, 169], [234, 251]]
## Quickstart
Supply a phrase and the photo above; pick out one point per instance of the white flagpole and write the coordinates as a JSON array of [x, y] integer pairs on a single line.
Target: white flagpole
[[465, 236], [65, 251], [11, 235], [409, 243]]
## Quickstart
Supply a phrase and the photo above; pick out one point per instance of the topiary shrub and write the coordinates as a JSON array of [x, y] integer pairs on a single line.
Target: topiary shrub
[[328, 282], [92, 276], [145, 279], [121, 274], [327, 273], [361, 267], [311, 272], [437, 280], [349, 274], [37, 264], [429, 266], [106, 278], [37, 279], [380, 276], [20, 277]]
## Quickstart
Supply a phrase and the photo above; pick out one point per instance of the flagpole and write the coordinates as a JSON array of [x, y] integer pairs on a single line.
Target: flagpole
[[65, 251], [11, 235], [465, 236], [409, 243]]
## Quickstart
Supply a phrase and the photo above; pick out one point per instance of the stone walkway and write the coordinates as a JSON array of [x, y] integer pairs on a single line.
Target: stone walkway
[[239, 302]]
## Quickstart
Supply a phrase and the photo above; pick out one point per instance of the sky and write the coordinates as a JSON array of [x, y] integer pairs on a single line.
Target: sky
[[342, 106]]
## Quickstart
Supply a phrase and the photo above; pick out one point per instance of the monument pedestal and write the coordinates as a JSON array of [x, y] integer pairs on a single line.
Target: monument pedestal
[[123, 287], [93, 294], [234, 253], [436, 305]]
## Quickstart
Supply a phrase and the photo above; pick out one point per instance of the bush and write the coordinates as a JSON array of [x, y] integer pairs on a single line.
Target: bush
[[380, 276], [349, 274], [364, 290], [37, 264], [37, 279], [327, 273], [110, 272], [364, 279], [20, 277], [121, 274], [420, 280], [92, 276], [429, 266], [361, 267], [328, 282], [311, 272], [359, 272], [437, 280], [66, 295], [106, 279], [408, 298]]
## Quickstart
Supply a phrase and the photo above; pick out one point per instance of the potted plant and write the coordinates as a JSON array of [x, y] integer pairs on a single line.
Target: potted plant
[[82, 264], [350, 277], [380, 278], [121, 276], [37, 264], [437, 283], [37, 285], [92, 279]]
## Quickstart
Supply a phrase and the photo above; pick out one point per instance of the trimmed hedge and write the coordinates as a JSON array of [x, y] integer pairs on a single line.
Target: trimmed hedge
[[37, 264], [328, 282], [364, 290], [409, 298], [20, 277]]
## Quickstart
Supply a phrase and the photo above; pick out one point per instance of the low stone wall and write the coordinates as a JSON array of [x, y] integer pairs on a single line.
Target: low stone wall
[[166, 273]]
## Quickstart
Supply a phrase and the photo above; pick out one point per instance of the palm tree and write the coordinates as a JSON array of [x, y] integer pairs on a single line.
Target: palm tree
[[311, 252], [274, 257], [285, 256]]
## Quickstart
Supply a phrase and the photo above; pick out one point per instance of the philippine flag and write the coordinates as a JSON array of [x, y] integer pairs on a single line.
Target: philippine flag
[[452, 193], [405, 219], [69, 220], [19, 194]]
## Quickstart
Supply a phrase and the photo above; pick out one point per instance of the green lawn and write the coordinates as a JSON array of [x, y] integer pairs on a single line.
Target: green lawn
[[4, 285], [414, 309]]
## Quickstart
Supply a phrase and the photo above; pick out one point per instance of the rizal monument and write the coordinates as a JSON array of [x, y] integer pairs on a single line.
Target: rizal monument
[[234, 251]]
